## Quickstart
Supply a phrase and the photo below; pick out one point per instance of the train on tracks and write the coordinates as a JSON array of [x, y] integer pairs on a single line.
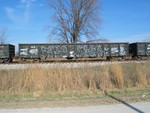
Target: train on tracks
[[43, 52]]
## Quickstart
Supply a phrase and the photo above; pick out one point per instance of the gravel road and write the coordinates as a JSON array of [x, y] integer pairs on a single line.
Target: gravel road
[[142, 107]]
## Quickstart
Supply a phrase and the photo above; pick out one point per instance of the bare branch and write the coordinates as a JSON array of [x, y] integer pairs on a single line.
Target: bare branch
[[3, 35]]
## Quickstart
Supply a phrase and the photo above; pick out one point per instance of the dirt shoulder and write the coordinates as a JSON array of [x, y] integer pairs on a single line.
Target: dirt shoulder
[[105, 100], [71, 99]]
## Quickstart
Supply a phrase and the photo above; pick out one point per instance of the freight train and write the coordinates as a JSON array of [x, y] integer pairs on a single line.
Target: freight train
[[43, 52]]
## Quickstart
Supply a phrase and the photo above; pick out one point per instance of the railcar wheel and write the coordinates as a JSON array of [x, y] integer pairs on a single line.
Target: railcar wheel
[[9, 60], [1, 60]]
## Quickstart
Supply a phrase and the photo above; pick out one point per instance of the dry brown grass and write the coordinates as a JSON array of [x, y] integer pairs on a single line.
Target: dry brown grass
[[39, 80], [117, 76], [136, 75]]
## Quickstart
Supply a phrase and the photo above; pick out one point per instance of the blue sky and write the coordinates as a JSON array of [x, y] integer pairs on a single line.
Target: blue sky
[[123, 20]]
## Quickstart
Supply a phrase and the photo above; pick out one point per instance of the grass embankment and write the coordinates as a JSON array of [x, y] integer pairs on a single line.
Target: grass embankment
[[70, 83]]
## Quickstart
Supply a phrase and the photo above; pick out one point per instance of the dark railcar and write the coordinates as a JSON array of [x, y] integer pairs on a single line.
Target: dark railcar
[[102, 50], [38, 51], [140, 49], [79, 50], [7, 52]]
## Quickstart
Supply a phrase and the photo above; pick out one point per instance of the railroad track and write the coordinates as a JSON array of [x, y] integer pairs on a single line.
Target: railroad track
[[17, 61], [64, 64]]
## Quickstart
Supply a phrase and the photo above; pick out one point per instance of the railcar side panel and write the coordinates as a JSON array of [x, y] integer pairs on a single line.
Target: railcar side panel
[[148, 49], [7, 52], [80, 50], [85, 50], [4, 51], [140, 49]]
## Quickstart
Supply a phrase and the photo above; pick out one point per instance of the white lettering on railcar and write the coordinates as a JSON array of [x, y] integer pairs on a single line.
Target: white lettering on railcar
[[114, 50], [122, 51], [71, 53], [24, 51], [148, 47], [106, 50], [34, 51]]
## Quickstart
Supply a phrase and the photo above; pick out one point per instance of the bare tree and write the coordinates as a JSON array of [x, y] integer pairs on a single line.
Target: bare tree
[[75, 19], [3, 35]]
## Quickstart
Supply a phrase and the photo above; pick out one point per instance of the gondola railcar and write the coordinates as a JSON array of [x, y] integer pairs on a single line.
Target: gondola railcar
[[69, 51], [40, 52], [7, 53], [140, 50]]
